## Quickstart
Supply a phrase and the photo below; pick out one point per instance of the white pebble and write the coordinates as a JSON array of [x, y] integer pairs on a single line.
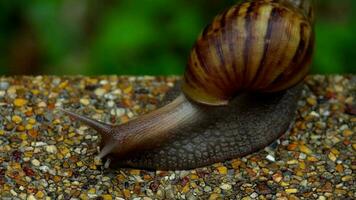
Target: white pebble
[[78, 150], [118, 112], [35, 162], [84, 101], [225, 186], [111, 104], [130, 114], [42, 104], [13, 192], [271, 158], [103, 82], [100, 91], [39, 144], [51, 149], [254, 195], [302, 156], [44, 168], [315, 114]]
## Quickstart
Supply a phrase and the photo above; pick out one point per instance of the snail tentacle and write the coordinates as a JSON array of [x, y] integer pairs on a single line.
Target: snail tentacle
[[100, 127]]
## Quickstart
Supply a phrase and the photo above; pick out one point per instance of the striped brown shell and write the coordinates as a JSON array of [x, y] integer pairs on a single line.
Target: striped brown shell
[[255, 46]]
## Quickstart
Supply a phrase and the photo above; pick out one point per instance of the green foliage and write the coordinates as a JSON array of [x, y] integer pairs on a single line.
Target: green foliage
[[139, 37]]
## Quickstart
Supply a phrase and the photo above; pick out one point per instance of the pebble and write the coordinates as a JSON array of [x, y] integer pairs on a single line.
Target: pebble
[[225, 186], [332, 156], [85, 102], [305, 149], [51, 149], [222, 170], [31, 197], [35, 162], [271, 158], [20, 102], [17, 119], [291, 190], [100, 92], [4, 85]]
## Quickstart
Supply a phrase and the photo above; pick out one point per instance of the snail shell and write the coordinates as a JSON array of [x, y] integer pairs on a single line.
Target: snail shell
[[257, 46]]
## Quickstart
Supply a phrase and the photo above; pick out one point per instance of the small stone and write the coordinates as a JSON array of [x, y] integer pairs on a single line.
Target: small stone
[[39, 195], [312, 159], [340, 191], [111, 104], [51, 149], [80, 164], [347, 178], [277, 177], [305, 149], [271, 158], [20, 102], [32, 121], [254, 195], [4, 85], [347, 133], [39, 144], [222, 170], [235, 164], [185, 188], [44, 168], [262, 188], [292, 162], [291, 190], [85, 101], [207, 189], [100, 91], [311, 101], [42, 104], [135, 172], [31, 197], [332, 156], [118, 112], [339, 168], [106, 197], [92, 191], [23, 136], [292, 147], [302, 156], [354, 146], [127, 193], [225, 186], [17, 119], [214, 196], [35, 162], [321, 198]]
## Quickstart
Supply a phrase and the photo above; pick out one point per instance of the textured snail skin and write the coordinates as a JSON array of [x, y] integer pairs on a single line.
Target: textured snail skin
[[261, 45], [238, 93], [246, 125]]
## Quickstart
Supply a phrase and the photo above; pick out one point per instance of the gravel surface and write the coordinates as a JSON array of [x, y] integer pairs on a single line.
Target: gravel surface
[[46, 155]]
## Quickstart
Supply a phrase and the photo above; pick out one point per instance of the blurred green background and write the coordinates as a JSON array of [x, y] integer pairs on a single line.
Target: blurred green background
[[151, 37]]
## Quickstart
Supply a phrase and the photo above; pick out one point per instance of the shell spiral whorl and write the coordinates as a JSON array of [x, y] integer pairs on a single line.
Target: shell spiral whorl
[[255, 46]]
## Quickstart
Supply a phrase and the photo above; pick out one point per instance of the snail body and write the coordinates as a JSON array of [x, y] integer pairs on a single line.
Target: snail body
[[240, 79]]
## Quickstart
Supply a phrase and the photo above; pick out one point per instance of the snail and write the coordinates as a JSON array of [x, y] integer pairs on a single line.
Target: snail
[[239, 91]]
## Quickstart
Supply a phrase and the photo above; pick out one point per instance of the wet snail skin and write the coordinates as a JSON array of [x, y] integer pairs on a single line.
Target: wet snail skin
[[239, 91]]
